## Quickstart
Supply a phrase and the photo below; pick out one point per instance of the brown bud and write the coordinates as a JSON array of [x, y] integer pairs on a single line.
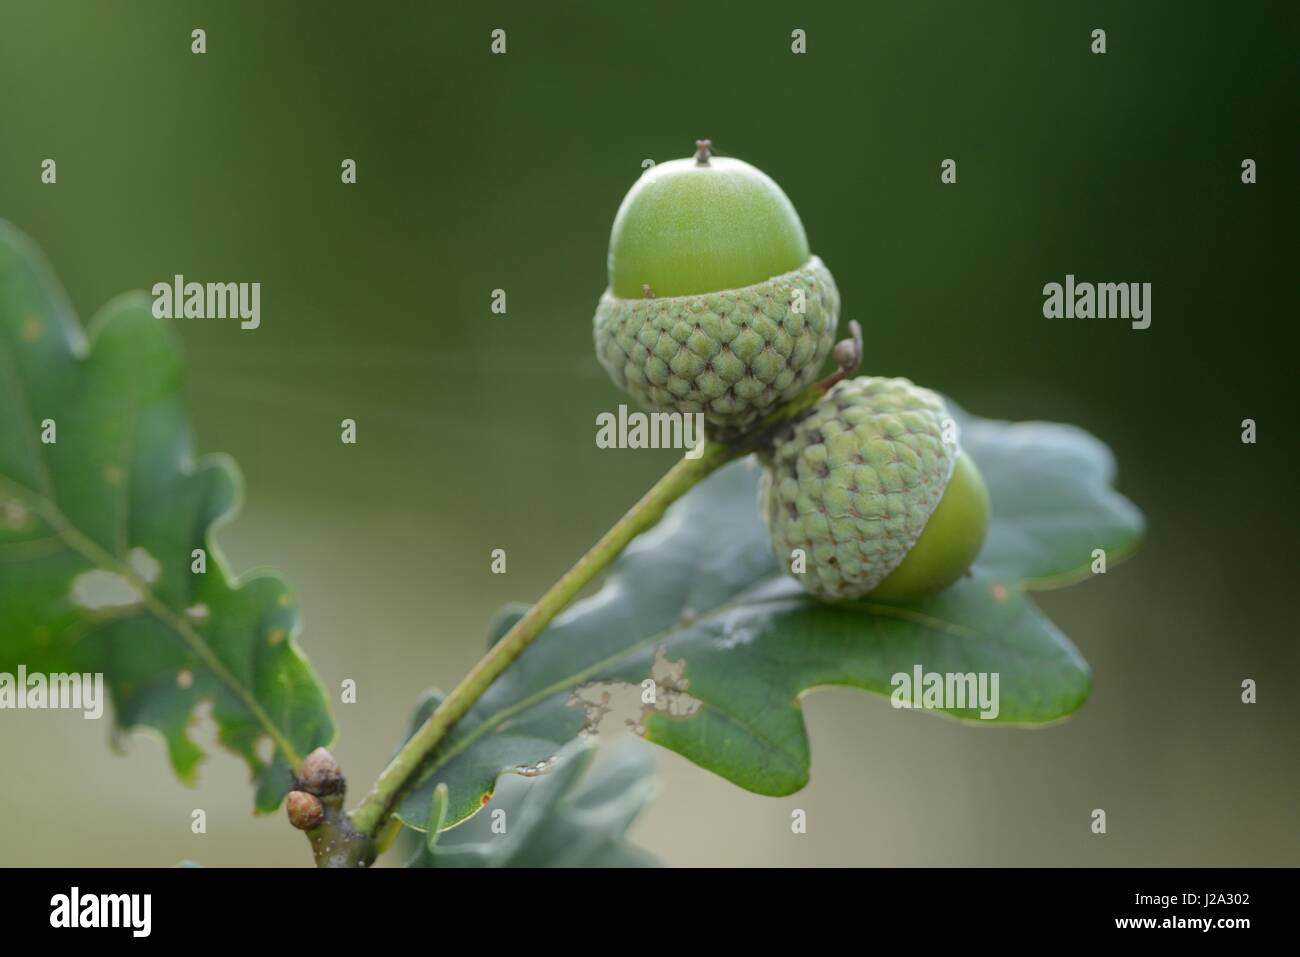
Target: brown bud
[[320, 774], [305, 810], [845, 353]]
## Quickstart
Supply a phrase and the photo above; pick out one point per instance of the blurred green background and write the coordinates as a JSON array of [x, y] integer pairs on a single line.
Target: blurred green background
[[476, 431]]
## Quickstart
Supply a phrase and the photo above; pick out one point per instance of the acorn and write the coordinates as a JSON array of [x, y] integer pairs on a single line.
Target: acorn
[[714, 304], [874, 489]]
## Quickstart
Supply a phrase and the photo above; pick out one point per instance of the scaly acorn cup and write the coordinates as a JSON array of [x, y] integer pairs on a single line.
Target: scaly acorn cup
[[714, 303], [867, 487]]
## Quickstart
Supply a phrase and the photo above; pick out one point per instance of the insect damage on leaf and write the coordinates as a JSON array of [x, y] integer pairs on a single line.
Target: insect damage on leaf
[[722, 685], [98, 590], [664, 692], [103, 510], [534, 770]]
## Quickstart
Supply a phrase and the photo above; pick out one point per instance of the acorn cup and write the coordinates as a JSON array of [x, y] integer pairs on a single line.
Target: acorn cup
[[874, 489], [715, 304]]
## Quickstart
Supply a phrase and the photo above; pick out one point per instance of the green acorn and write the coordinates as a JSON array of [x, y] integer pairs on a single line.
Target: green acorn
[[715, 304], [874, 489]]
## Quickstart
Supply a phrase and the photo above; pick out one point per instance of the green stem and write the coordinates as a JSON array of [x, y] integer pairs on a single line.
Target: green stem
[[370, 818], [403, 771], [335, 842]]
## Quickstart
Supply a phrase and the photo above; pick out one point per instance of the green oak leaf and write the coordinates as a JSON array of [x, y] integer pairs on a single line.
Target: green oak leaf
[[574, 811], [102, 507], [699, 605]]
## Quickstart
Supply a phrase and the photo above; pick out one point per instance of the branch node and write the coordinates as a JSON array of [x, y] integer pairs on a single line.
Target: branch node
[[848, 356]]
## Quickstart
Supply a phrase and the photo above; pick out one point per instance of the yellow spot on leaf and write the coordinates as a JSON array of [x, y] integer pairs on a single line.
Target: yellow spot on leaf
[[1000, 592], [112, 474], [276, 636], [13, 514], [185, 678], [31, 329]]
